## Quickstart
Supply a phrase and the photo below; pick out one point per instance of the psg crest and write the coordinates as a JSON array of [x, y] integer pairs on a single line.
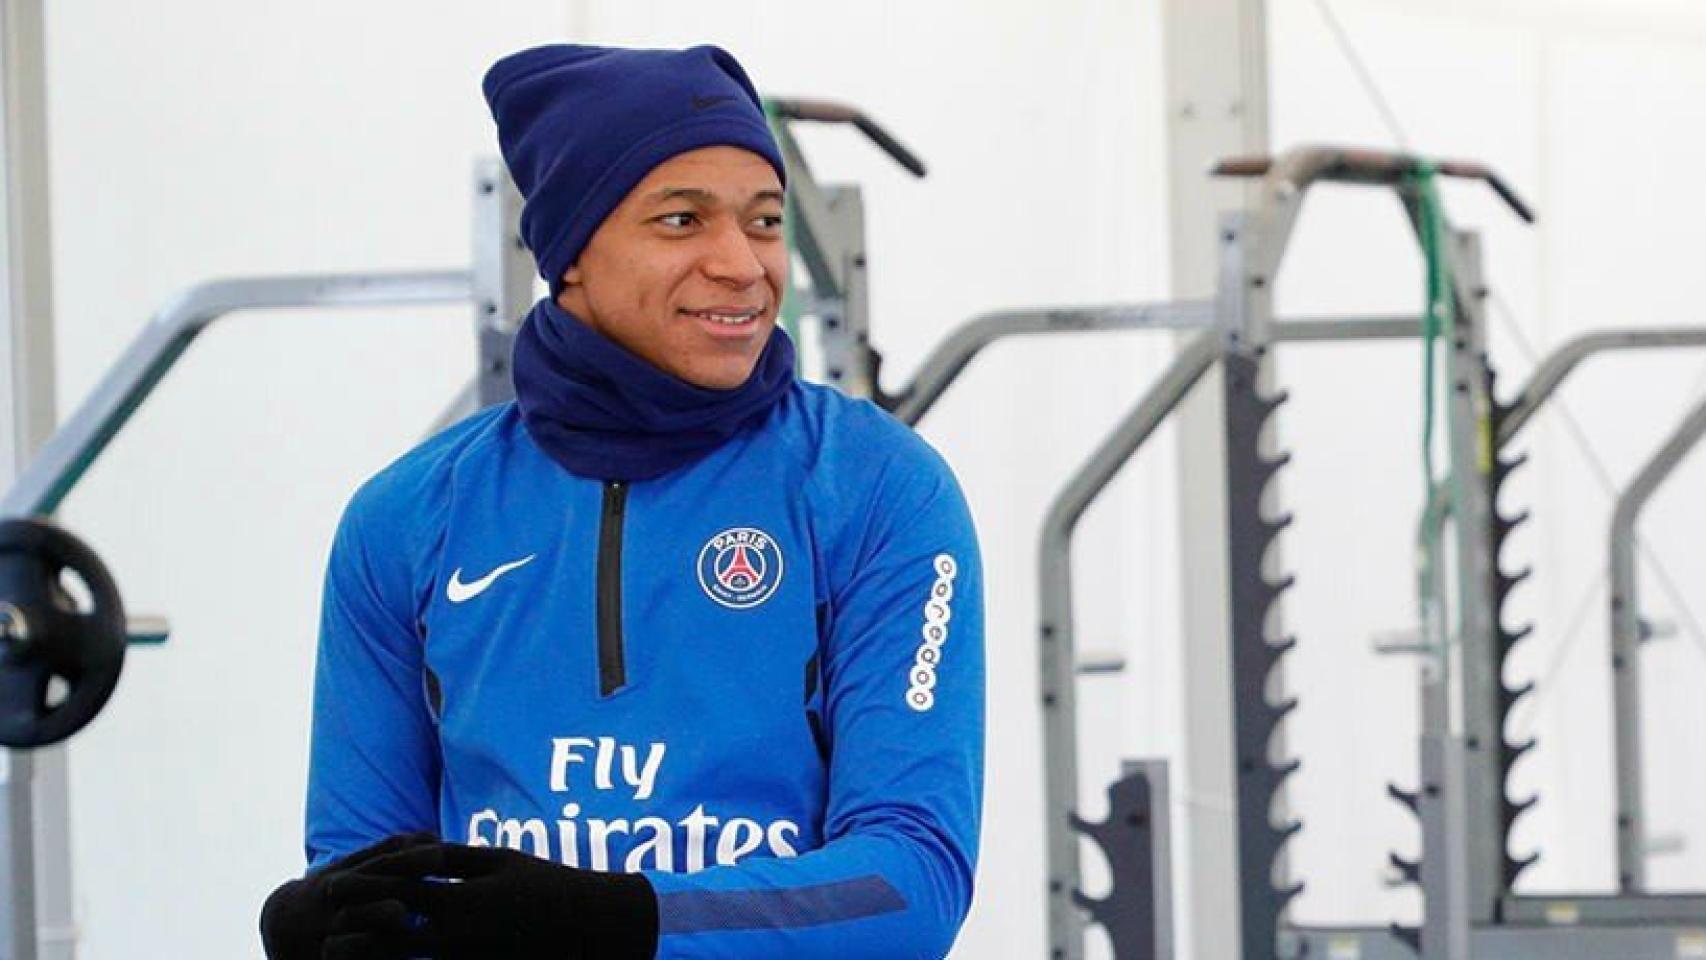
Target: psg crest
[[740, 567]]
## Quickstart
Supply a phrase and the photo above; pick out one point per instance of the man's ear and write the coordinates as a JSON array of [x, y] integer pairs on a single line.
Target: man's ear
[[572, 276]]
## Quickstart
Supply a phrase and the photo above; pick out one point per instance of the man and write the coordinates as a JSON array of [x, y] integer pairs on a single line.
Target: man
[[678, 655]]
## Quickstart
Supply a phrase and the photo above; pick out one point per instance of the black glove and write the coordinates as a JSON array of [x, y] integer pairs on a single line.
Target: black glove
[[298, 920], [491, 903]]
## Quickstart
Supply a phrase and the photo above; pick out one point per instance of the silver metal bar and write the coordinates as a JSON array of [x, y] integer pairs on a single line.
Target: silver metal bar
[[827, 225], [1481, 842], [1558, 365], [1444, 810], [148, 628], [812, 218], [1588, 910], [1161, 849], [1681, 938], [71, 450], [1590, 942], [1056, 643], [1298, 330], [35, 843], [1333, 943], [845, 323], [950, 358], [502, 279], [1626, 647]]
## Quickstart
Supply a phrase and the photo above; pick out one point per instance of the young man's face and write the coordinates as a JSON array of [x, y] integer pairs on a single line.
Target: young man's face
[[688, 271]]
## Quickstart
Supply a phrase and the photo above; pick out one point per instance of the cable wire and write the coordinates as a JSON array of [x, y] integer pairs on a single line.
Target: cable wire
[[1387, 114], [1543, 686]]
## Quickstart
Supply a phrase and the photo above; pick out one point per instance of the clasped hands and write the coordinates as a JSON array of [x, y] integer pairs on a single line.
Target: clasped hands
[[415, 896]]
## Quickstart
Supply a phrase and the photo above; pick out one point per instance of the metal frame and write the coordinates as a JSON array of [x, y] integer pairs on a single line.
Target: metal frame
[[1508, 421], [1465, 871], [1628, 632], [1056, 638], [1252, 246], [502, 278], [827, 226], [64, 459], [502, 288], [496, 285], [1557, 366], [1137, 911]]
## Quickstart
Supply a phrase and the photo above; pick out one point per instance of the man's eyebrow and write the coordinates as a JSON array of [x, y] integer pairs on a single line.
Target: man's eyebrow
[[706, 197]]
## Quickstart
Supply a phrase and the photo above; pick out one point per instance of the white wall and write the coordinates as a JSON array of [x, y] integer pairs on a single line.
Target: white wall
[[205, 139]]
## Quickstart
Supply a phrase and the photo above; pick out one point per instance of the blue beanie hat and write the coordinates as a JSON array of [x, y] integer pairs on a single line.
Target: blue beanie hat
[[580, 127]]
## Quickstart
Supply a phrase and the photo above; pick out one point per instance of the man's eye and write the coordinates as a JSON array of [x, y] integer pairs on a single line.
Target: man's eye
[[683, 219], [771, 221]]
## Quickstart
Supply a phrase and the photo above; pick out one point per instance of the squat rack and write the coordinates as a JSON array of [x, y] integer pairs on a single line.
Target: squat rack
[[1466, 872]]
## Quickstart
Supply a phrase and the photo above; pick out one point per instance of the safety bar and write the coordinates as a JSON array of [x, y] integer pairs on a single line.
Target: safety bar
[[68, 454], [1558, 365], [950, 358], [1059, 695], [828, 111], [1626, 638], [945, 363]]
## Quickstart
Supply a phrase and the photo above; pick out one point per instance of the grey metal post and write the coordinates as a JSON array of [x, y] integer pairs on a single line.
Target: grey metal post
[[35, 783], [1443, 809], [1251, 248], [1440, 799], [1056, 641], [845, 330], [956, 351], [1479, 658], [502, 279], [1161, 850], [1626, 638], [828, 224], [1478, 661]]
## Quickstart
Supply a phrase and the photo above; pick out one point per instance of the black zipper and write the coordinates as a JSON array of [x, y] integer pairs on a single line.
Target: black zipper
[[612, 670]]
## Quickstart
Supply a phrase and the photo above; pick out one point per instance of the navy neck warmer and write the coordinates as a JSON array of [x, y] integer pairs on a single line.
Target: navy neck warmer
[[604, 413]]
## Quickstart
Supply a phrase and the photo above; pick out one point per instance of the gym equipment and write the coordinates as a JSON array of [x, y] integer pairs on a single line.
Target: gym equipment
[[1137, 912], [499, 284], [1628, 632], [62, 652], [1466, 872]]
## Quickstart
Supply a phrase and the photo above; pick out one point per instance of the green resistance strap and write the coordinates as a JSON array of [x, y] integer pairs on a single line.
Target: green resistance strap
[[1438, 326]]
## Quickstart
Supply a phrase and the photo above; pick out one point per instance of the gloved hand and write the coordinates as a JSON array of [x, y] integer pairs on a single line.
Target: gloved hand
[[492, 903], [298, 921]]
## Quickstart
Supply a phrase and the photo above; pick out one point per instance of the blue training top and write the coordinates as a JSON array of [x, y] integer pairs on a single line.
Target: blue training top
[[757, 679]]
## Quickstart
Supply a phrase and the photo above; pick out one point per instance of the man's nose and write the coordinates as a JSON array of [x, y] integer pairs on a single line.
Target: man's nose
[[732, 257]]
